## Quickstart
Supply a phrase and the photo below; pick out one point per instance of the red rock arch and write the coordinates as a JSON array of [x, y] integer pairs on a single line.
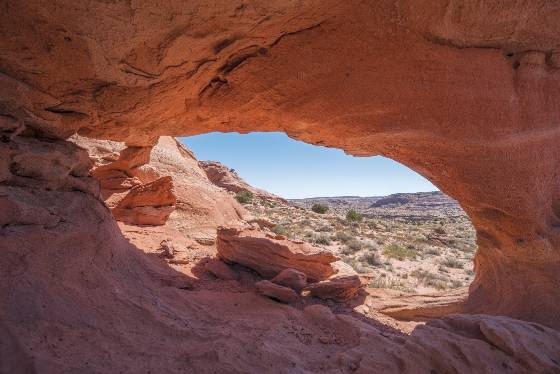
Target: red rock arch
[[464, 93]]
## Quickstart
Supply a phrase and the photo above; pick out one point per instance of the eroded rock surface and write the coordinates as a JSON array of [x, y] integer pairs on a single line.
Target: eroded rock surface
[[342, 288], [147, 204], [269, 254], [292, 278], [228, 179], [466, 93], [276, 291]]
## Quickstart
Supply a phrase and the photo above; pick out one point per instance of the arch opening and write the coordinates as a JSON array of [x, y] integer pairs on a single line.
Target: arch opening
[[406, 234]]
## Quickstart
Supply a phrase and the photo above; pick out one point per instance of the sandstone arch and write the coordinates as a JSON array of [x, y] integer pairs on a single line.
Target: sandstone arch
[[465, 93]]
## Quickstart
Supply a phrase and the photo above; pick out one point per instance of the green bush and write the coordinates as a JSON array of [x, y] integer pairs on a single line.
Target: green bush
[[320, 208], [399, 252], [353, 216], [244, 197]]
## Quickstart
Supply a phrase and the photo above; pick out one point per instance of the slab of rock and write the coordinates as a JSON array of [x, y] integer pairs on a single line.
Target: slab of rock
[[269, 255], [339, 289], [147, 204], [291, 278], [275, 291], [220, 270]]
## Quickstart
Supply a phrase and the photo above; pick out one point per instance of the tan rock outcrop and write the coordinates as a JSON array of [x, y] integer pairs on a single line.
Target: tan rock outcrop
[[200, 206], [269, 255], [227, 178]]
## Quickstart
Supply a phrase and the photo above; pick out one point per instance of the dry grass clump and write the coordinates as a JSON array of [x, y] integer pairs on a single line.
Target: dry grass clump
[[399, 252], [452, 262]]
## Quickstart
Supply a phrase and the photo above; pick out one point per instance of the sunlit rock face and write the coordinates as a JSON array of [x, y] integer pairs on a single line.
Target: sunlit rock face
[[466, 93]]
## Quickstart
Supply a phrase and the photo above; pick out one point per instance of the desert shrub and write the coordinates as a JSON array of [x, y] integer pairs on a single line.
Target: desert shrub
[[322, 239], [320, 208], [353, 216], [431, 251], [452, 262], [371, 259], [399, 252], [244, 197], [354, 244], [439, 230], [456, 284], [343, 237], [430, 279], [281, 230], [325, 228], [387, 282], [370, 245]]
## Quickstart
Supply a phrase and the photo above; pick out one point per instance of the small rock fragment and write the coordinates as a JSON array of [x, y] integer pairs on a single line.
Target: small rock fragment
[[291, 278], [275, 291], [167, 249]]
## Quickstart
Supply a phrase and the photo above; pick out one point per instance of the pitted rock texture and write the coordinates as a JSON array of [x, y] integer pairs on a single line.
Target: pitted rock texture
[[269, 254], [465, 92]]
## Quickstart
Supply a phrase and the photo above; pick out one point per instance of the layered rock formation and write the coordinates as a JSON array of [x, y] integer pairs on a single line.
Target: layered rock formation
[[466, 93], [269, 254], [227, 178]]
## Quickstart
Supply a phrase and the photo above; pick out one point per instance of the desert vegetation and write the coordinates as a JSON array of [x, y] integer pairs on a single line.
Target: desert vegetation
[[398, 245]]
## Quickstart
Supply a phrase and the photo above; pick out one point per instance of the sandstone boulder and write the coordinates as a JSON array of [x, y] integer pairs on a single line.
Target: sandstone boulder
[[220, 270], [269, 255], [339, 289], [275, 291], [291, 278]]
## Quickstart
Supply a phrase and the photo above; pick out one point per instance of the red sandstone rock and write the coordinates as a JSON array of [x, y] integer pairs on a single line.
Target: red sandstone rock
[[339, 289], [291, 278], [227, 178], [480, 81], [464, 92], [220, 270], [268, 255], [80, 283], [147, 204], [275, 291]]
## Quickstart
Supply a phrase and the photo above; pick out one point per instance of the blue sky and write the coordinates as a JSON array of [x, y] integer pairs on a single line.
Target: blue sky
[[293, 169]]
